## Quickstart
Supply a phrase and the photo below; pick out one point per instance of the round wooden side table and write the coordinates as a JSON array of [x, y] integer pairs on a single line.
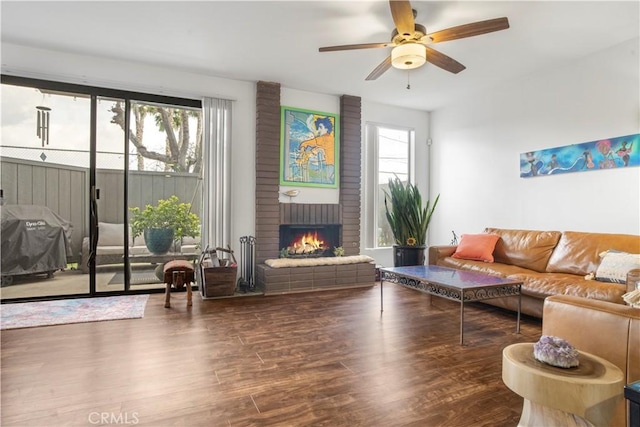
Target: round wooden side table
[[582, 396]]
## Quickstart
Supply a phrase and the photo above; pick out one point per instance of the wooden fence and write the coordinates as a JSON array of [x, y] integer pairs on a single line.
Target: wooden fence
[[65, 190]]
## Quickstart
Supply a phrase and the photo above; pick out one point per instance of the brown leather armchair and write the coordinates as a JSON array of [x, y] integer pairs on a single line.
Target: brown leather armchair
[[605, 329]]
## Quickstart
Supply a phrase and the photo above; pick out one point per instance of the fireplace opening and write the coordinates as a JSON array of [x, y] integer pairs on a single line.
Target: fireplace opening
[[309, 241]]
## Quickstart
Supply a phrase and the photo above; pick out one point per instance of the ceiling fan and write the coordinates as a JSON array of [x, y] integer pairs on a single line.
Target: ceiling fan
[[410, 41]]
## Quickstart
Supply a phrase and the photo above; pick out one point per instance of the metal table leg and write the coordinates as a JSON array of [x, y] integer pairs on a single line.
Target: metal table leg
[[519, 308], [381, 281], [462, 321]]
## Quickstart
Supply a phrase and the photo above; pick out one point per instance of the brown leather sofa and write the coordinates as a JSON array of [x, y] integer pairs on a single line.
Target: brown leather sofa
[[605, 329], [547, 262]]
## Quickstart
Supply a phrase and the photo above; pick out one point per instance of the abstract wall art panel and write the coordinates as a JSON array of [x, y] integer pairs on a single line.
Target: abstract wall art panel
[[611, 153]]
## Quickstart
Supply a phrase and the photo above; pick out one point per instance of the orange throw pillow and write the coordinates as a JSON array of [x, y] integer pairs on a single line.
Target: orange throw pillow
[[477, 247]]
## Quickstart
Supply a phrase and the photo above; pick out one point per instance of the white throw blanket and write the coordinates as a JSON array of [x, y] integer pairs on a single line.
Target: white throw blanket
[[310, 262]]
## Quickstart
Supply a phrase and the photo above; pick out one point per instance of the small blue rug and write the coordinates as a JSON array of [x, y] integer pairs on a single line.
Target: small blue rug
[[59, 312]]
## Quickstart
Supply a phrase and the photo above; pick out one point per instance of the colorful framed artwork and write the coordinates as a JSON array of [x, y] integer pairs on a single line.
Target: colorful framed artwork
[[309, 148], [611, 153]]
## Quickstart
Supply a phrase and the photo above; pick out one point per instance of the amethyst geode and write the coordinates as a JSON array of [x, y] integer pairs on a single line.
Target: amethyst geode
[[555, 352]]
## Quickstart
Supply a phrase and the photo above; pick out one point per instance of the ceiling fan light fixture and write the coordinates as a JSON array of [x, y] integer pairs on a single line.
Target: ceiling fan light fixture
[[408, 56]]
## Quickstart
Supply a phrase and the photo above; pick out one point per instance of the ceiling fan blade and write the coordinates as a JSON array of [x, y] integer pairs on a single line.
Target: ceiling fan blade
[[380, 69], [402, 14], [354, 46], [468, 30], [443, 61]]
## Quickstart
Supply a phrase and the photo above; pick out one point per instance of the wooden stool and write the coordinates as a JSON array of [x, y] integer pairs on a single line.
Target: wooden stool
[[581, 396], [178, 273]]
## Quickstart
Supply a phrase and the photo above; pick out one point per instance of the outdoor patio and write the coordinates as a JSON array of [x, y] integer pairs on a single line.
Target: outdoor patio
[[72, 281]]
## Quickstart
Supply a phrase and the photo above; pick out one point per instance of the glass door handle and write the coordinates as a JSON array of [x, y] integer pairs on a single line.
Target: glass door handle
[[93, 211]]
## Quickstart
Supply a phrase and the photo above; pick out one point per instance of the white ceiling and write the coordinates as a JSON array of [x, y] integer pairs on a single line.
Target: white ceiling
[[279, 41]]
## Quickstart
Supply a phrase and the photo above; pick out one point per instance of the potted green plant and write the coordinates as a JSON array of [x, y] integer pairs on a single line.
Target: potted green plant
[[409, 221], [168, 221]]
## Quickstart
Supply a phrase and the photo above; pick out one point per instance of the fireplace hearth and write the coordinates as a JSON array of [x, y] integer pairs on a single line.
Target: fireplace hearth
[[308, 241]]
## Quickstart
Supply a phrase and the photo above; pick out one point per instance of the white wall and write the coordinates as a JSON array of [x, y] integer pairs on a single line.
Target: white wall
[[478, 141]]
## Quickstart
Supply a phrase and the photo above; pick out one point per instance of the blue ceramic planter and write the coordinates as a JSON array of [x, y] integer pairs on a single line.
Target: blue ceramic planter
[[158, 240]]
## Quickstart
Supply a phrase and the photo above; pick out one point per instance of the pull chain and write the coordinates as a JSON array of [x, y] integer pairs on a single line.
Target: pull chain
[[408, 81]]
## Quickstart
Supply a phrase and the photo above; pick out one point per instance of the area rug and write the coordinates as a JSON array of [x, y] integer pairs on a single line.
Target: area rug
[[59, 312]]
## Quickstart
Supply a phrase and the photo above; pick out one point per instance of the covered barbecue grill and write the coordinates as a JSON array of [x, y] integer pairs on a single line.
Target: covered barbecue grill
[[34, 240]]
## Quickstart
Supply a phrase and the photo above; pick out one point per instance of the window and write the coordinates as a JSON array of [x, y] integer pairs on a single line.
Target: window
[[154, 148], [388, 153]]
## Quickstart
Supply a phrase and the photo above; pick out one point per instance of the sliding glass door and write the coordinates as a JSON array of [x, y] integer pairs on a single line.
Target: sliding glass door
[[110, 201], [77, 162], [44, 158], [164, 182]]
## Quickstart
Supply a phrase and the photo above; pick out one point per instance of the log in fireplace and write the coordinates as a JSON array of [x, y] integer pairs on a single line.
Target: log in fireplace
[[308, 241]]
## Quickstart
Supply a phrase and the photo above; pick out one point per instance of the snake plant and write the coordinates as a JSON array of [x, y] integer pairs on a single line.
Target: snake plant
[[408, 219]]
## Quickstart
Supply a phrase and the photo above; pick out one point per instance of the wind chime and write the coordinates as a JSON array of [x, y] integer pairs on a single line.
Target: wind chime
[[42, 129]]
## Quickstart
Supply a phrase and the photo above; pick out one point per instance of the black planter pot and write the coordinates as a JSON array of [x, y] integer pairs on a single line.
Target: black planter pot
[[408, 255], [158, 240]]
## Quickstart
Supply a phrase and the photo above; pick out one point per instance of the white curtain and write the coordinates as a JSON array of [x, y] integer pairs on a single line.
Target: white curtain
[[216, 152]]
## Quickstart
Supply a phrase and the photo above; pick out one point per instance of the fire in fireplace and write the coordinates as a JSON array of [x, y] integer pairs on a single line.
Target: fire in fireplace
[[306, 241]]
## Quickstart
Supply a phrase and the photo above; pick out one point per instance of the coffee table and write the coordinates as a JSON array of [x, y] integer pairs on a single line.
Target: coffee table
[[457, 285]]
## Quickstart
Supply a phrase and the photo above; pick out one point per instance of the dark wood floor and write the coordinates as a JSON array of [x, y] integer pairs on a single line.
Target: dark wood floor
[[315, 359]]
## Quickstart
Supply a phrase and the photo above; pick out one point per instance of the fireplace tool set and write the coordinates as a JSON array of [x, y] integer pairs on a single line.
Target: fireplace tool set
[[246, 282]]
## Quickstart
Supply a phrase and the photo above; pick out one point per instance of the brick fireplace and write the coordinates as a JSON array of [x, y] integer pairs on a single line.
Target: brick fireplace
[[271, 214]]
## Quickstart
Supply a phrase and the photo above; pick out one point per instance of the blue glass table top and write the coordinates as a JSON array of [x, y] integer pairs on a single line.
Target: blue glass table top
[[445, 276]]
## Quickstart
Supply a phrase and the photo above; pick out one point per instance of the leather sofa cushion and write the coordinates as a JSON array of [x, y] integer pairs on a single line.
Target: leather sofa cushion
[[542, 285], [578, 252], [524, 248], [493, 268], [178, 265]]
